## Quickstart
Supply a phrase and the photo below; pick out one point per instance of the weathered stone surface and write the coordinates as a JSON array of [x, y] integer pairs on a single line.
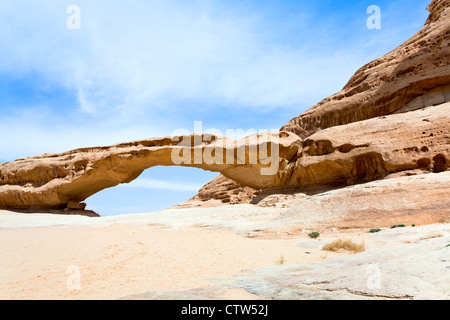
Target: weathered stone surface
[[371, 149], [73, 205], [341, 155], [389, 83], [56, 180], [409, 197], [392, 116], [405, 267], [434, 97], [221, 190], [414, 75], [358, 152]]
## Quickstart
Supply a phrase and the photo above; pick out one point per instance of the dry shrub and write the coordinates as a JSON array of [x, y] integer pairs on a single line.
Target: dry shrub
[[345, 244]]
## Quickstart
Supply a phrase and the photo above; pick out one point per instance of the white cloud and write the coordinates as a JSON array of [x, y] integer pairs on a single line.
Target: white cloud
[[129, 55], [140, 68], [143, 68]]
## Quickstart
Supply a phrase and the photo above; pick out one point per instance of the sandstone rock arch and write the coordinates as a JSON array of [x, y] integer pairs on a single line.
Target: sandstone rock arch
[[414, 75], [392, 116], [341, 155], [55, 180]]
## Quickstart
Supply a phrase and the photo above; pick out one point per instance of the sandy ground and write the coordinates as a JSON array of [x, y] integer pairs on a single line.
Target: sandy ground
[[188, 253], [100, 260]]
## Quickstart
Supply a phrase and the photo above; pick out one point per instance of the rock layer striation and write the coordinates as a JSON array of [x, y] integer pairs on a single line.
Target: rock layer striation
[[65, 179], [414, 75], [392, 116]]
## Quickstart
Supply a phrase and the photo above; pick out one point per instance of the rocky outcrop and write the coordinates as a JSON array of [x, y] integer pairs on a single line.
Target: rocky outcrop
[[404, 267], [221, 190], [392, 116], [354, 153], [412, 76], [389, 83], [371, 149], [437, 8], [341, 155], [64, 180]]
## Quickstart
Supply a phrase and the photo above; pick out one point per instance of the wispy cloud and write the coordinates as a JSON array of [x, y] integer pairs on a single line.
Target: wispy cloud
[[138, 69], [144, 68], [129, 55]]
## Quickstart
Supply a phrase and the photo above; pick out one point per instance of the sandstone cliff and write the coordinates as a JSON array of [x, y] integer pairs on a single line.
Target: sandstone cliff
[[342, 155], [65, 179], [389, 83], [411, 76], [392, 116]]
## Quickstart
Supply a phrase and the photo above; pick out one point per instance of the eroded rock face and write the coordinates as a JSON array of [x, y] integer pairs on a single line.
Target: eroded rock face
[[390, 117], [63, 180], [389, 83], [341, 155], [372, 149], [355, 153], [222, 190], [412, 76]]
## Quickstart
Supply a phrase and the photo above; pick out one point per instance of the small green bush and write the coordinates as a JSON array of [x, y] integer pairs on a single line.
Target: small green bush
[[374, 230], [398, 226], [314, 235]]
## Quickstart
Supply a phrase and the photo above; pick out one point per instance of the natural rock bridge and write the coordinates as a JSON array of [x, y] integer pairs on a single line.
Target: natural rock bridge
[[341, 155], [393, 115]]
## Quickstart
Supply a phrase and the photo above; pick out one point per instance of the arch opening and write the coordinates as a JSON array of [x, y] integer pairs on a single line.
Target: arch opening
[[156, 189]]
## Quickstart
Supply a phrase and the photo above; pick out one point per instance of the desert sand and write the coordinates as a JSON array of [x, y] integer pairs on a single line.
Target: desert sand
[[374, 156], [121, 256], [172, 254]]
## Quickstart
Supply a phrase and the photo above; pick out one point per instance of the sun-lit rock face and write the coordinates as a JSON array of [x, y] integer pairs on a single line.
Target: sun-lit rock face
[[392, 116], [389, 83], [412, 76], [59, 180], [341, 155]]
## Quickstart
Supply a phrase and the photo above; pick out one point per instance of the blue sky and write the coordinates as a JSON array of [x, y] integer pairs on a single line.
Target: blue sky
[[139, 69]]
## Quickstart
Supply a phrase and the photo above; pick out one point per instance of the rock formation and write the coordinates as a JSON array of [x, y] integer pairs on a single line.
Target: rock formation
[[65, 179], [414, 75], [340, 155], [392, 116], [389, 83]]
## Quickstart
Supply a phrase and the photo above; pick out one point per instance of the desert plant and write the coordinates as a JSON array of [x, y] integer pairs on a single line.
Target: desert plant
[[345, 244], [281, 261], [314, 235], [398, 226], [374, 230]]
